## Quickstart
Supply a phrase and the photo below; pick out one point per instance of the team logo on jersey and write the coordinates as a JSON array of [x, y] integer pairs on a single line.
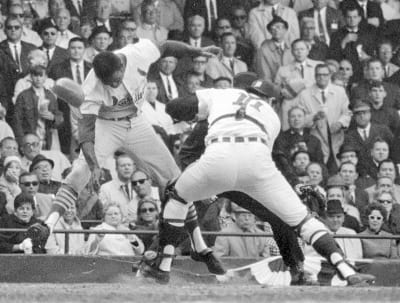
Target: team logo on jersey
[[123, 102]]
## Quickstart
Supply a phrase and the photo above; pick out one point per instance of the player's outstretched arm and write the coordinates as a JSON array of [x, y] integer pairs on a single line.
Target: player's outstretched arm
[[180, 49], [183, 108]]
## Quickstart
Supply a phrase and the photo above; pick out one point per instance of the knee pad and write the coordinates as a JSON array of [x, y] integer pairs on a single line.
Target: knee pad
[[171, 193], [175, 212], [311, 229]]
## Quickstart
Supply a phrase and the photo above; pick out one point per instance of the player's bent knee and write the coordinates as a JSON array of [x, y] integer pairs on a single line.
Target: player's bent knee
[[311, 229], [171, 193]]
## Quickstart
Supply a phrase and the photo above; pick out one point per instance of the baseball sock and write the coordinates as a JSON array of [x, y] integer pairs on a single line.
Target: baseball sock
[[64, 199], [192, 226]]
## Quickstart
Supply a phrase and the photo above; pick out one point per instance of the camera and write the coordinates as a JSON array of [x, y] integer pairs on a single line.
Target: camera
[[313, 199]]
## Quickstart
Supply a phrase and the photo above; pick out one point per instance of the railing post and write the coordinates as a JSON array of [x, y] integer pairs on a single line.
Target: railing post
[[66, 242]]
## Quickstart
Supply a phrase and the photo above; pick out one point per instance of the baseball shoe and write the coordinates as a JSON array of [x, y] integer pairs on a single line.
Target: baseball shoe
[[359, 279], [38, 233], [214, 265], [149, 268], [300, 276]]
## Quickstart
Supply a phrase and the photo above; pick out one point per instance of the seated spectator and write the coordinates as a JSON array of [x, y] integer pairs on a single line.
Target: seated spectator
[[240, 24], [86, 29], [103, 10], [9, 181], [379, 153], [124, 37], [29, 184], [346, 71], [376, 215], [148, 214], [300, 161], [63, 22], [297, 133], [28, 35], [318, 175], [141, 184], [22, 217], [99, 41], [113, 244], [318, 49], [244, 247], [199, 66], [386, 169], [223, 82], [31, 148], [129, 25], [43, 168], [149, 28], [8, 147], [56, 243], [44, 121], [385, 54]]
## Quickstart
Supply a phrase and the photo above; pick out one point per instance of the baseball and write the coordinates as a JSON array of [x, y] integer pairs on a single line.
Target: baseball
[[69, 91]]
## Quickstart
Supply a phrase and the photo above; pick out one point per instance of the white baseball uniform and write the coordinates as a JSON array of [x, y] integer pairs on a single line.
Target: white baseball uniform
[[238, 155]]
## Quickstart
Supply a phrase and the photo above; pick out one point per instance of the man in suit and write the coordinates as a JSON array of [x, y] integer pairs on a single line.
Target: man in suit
[[226, 65], [385, 54], [355, 41], [294, 77], [63, 20], [327, 20], [76, 69], [260, 16], [29, 184], [28, 35], [319, 49], [274, 52], [102, 17], [210, 10], [371, 11], [55, 54], [199, 65], [14, 59], [326, 107]]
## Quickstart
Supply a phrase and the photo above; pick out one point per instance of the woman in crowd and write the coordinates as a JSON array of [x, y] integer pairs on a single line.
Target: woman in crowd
[[376, 216], [147, 219], [9, 181], [17, 242], [113, 244]]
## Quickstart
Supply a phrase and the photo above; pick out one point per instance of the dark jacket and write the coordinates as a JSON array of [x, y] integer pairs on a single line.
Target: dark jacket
[[373, 10], [334, 18], [59, 55]]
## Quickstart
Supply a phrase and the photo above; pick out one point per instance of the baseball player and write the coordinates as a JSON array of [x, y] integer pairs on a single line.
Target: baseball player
[[242, 130], [111, 120]]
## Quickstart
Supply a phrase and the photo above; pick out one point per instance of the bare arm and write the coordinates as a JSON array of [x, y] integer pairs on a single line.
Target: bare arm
[[86, 128], [180, 49]]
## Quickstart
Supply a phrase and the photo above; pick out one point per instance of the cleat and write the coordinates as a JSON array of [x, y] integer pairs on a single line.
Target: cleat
[[359, 279], [301, 277], [214, 265], [149, 268], [38, 233]]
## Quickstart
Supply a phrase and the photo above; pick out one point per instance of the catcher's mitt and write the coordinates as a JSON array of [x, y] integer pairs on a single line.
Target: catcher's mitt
[[39, 233]]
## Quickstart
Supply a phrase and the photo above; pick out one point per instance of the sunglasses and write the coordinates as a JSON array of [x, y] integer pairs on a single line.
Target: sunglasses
[[33, 183], [148, 210], [33, 144], [385, 201], [13, 27], [240, 17], [140, 181], [375, 218]]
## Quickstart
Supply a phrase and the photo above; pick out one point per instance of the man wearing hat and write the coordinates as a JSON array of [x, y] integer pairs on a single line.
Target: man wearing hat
[[244, 247], [274, 52], [55, 54], [99, 40], [43, 168]]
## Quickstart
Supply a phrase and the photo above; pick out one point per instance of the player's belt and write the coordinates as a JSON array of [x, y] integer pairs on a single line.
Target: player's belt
[[126, 118], [237, 140]]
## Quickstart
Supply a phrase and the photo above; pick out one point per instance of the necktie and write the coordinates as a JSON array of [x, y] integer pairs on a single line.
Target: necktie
[[365, 135], [291, 3], [302, 71], [169, 89], [386, 71], [364, 7], [126, 190], [321, 28], [48, 55], [280, 49], [80, 6], [213, 13], [78, 74], [231, 63], [323, 96], [17, 57]]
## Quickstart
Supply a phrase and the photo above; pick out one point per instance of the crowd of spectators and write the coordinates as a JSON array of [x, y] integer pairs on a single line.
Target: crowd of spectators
[[334, 71]]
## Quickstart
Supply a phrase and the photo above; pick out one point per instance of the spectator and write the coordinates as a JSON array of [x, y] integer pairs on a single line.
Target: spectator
[[36, 111], [379, 153], [385, 54], [99, 40], [370, 11], [275, 52], [263, 14], [113, 244], [346, 71], [18, 242], [199, 65], [149, 28], [223, 82], [148, 216], [297, 133], [29, 184], [300, 161], [318, 48], [130, 25], [387, 200], [43, 168], [295, 77], [56, 243], [317, 174], [381, 114], [240, 24], [386, 168], [86, 29], [227, 65], [8, 147], [327, 20], [244, 247], [102, 18], [9, 181], [63, 21], [195, 32], [377, 248], [28, 35], [326, 107], [31, 148], [141, 184], [53, 6], [124, 37], [120, 190], [383, 184]]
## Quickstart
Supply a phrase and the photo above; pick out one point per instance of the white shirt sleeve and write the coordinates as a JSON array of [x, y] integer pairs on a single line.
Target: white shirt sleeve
[[205, 97]]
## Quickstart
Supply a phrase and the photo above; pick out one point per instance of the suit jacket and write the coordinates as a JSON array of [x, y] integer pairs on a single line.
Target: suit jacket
[[217, 68], [390, 69], [391, 30], [269, 59], [25, 50], [319, 50], [59, 55], [373, 9], [362, 199], [260, 16], [162, 91], [334, 18], [26, 115], [63, 70]]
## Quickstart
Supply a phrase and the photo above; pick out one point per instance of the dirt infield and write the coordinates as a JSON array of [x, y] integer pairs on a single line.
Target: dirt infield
[[139, 290]]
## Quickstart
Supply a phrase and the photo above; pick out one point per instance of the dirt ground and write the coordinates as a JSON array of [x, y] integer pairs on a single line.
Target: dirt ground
[[139, 290]]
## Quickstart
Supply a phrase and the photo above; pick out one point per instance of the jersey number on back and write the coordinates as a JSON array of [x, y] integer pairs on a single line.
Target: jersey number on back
[[243, 100]]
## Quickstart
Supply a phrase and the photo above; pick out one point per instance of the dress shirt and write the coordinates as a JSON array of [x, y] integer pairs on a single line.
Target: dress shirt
[[12, 48], [81, 70], [208, 5], [169, 79], [322, 12], [362, 131], [195, 42], [51, 52]]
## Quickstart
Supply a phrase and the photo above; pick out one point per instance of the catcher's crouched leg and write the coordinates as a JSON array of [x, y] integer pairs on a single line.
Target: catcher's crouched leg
[[315, 233]]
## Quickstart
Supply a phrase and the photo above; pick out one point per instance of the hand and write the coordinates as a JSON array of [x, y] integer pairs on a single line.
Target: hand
[[319, 116], [47, 115], [133, 239], [97, 175], [210, 51], [285, 93], [373, 21], [11, 176], [336, 127], [350, 37], [26, 246]]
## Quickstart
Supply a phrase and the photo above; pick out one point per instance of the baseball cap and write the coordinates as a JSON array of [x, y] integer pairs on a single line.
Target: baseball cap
[[244, 80], [264, 88], [361, 106]]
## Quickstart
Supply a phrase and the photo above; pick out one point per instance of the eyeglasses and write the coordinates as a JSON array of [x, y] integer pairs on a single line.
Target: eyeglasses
[[13, 27], [240, 17], [150, 210], [33, 144], [375, 218], [49, 33], [385, 201], [140, 181], [33, 183], [18, 15]]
